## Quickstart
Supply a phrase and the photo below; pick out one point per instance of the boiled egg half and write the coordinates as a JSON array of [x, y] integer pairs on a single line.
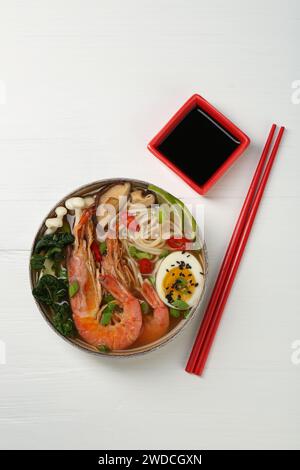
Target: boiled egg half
[[180, 276]]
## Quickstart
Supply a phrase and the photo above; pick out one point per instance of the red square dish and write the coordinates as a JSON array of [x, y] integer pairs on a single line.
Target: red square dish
[[195, 120]]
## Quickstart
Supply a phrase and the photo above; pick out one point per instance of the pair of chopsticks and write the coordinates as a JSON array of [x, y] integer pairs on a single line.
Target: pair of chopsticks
[[231, 261]]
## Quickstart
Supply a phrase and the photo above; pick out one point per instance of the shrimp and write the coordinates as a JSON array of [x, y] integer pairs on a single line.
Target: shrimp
[[82, 269], [155, 325], [85, 304], [111, 263], [125, 332], [115, 264]]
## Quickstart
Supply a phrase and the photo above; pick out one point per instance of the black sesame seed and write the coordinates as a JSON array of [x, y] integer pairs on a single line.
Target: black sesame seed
[[197, 284]]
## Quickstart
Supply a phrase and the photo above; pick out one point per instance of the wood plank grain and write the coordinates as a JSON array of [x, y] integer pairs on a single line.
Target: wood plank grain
[[87, 87]]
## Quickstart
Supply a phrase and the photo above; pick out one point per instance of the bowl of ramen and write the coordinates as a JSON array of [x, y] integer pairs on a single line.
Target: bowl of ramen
[[118, 267]]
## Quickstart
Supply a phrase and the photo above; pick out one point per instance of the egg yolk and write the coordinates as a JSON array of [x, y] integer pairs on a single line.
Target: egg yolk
[[179, 284]]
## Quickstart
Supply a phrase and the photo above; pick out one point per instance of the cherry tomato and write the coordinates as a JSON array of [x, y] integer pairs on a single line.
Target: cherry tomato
[[177, 243], [129, 221], [96, 251], [145, 265], [132, 224]]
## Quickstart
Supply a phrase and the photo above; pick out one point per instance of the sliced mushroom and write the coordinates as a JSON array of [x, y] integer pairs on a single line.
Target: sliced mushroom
[[139, 197], [111, 202], [114, 192]]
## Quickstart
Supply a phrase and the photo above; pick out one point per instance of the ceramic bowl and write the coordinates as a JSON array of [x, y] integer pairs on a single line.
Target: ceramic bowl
[[91, 189]]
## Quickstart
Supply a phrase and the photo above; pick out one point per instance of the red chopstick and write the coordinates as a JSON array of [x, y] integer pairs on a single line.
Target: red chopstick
[[193, 364], [199, 367], [229, 254]]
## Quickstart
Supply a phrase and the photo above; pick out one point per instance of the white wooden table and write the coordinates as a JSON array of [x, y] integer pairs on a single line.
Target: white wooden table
[[84, 86]]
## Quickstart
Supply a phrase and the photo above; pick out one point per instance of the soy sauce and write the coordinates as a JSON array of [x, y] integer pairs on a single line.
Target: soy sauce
[[198, 145]]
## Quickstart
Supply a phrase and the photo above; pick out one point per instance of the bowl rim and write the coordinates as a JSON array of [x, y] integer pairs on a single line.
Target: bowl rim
[[81, 344]]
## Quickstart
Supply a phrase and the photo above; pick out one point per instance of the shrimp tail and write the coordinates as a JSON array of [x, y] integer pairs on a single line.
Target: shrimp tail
[[150, 295], [117, 289]]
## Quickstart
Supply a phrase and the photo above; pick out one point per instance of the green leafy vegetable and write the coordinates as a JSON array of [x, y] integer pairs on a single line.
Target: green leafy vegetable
[[132, 251], [55, 240], [103, 348], [66, 227], [56, 265], [180, 283], [151, 279], [161, 215], [107, 313], [52, 252], [108, 298], [52, 247], [73, 288], [188, 221], [37, 262], [164, 253], [53, 292], [62, 320], [180, 304], [102, 248], [145, 307], [57, 256], [63, 273], [175, 313], [50, 290], [138, 254]]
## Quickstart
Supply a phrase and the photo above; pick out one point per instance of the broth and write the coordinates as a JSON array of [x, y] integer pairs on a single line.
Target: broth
[[139, 263]]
